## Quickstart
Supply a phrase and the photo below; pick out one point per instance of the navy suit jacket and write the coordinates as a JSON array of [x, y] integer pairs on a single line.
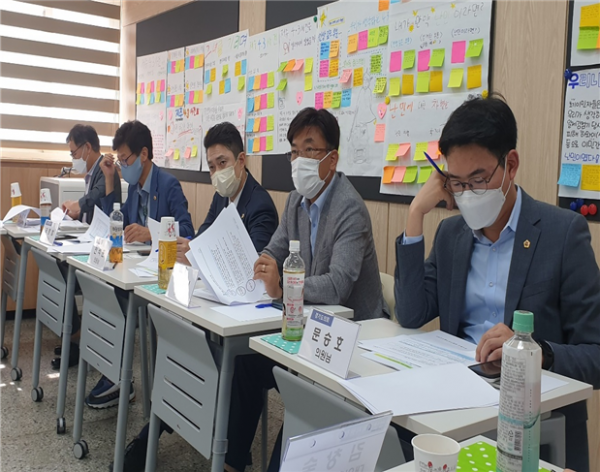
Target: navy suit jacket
[[256, 208], [96, 192], [166, 199]]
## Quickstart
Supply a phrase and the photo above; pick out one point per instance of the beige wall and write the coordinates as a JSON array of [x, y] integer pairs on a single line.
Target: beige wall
[[536, 99]]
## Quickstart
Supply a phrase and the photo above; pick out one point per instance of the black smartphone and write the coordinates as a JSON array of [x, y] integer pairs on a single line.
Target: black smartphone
[[488, 370]]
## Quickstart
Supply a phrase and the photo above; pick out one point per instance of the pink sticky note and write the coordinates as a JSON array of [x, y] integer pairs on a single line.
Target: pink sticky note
[[433, 149], [395, 61], [263, 143], [264, 78], [398, 175], [363, 40], [380, 133], [299, 97], [172, 100], [173, 64], [188, 152], [142, 87], [346, 76], [169, 153], [162, 85], [170, 114], [263, 125], [151, 87], [324, 69], [263, 101], [381, 110], [458, 52], [319, 100], [403, 149], [191, 97], [299, 64], [424, 57]]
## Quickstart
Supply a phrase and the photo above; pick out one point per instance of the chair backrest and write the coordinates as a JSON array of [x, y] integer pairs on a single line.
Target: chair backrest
[[10, 269], [387, 285], [309, 407]]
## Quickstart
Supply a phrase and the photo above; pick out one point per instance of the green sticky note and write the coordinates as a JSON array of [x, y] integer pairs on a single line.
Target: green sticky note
[[380, 84], [475, 48], [209, 89], [282, 84], [394, 86], [308, 65], [391, 152], [282, 66], [420, 150], [588, 38], [410, 175], [337, 100], [270, 123], [269, 146], [437, 58], [225, 69], [376, 64], [373, 37], [456, 77], [424, 174], [270, 79], [241, 82], [271, 100], [423, 82], [480, 456], [409, 59], [383, 34]]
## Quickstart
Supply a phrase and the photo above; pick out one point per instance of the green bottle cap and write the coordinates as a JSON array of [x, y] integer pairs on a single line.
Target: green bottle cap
[[523, 321]]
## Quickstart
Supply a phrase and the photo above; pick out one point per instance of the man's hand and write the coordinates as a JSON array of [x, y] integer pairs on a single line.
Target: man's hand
[[183, 246], [71, 208], [429, 196], [490, 346], [108, 167], [265, 269], [136, 233]]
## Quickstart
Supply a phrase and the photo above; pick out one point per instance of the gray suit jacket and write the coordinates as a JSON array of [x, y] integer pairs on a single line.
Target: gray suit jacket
[[344, 268], [97, 191]]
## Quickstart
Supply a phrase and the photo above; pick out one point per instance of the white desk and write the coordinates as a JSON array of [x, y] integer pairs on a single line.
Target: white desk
[[410, 467], [233, 338], [458, 424]]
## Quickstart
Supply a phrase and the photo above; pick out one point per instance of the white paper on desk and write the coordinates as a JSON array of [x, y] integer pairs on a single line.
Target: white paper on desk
[[17, 210], [57, 215], [72, 224], [409, 392], [141, 273], [248, 312], [100, 227], [72, 248], [225, 256]]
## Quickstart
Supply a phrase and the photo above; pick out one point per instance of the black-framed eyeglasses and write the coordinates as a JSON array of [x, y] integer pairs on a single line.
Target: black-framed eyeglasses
[[72, 153], [309, 152], [124, 162], [477, 185]]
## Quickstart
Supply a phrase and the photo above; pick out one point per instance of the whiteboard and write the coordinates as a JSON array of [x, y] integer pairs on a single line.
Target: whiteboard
[[582, 57], [580, 149]]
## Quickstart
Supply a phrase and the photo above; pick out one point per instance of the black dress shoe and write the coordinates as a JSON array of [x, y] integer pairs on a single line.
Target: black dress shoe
[[58, 348], [73, 357], [135, 456]]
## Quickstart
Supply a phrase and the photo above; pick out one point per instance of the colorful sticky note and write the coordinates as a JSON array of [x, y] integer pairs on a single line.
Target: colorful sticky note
[[475, 48], [324, 50], [225, 70], [410, 175], [308, 65], [187, 153], [394, 86], [380, 132], [383, 35], [270, 123], [388, 173], [162, 85], [256, 145], [256, 82], [238, 68], [346, 76], [380, 84], [172, 101], [346, 97], [570, 175], [334, 65], [151, 87], [207, 76], [198, 96], [227, 85], [282, 66], [308, 82], [173, 67], [241, 82], [590, 177], [190, 98], [257, 103], [139, 87], [456, 77], [437, 58], [160, 96], [588, 38], [176, 155], [269, 143], [298, 66], [408, 84], [423, 82], [590, 16], [352, 43], [384, 5], [324, 69], [251, 82], [199, 61], [250, 125], [474, 77], [282, 85], [420, 150], [194, 151], [376, 64], [263, 81], [169, 153], [213, 74], [271, 100], [250, 106], [208, 89], [250, 144], [395, 61], [334, 48], [398, 174], [327, 99], [363, 40], [403, 150], [391, 152], [263, 101], [357, 81], [319, 100], [409, 59], [244, 62], [189, 62], [299, 97], [373, 37], [140, 99], [436, 83], [337, 100], [290, 65], [271, 79], [221, 87], [433, 149], [256, 125], [424, 57], [263, 124], [424, 174], [263, 143], [458, 52]]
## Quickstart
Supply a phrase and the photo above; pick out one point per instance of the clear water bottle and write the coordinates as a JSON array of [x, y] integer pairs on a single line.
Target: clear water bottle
[[518, 440], [167, 250], [293, 294], [116, 234]]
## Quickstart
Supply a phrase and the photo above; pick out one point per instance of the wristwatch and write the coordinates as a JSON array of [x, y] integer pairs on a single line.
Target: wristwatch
[[547, 353]]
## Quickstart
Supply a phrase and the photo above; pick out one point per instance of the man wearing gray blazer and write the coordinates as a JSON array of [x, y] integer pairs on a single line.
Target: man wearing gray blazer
[[506, 251], [330, 219]]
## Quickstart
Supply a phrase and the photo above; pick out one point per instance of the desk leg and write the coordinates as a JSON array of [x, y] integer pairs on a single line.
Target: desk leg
[[66, 347], [16, 373], [126, 375], [144, 359], [152, 351], [3, 321]]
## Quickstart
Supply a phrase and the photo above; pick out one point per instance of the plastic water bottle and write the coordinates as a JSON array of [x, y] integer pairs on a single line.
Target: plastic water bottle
[[167, 250], [116, 234], [518, 440], [293, 294]]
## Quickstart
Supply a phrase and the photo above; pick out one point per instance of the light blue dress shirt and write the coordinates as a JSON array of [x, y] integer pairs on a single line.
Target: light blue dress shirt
[[485, 293], [144, 204], [314, 213]]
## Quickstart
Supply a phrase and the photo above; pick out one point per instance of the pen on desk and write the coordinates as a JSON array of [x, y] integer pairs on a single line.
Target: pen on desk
[[263, 305], [434, 165]]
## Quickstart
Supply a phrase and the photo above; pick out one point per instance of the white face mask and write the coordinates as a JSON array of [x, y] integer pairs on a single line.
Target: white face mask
[[225, 182], [481, 211], [305, 174], [79, 165]]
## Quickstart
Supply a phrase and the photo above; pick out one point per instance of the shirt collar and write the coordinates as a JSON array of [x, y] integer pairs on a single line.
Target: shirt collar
[[319, 202], [512, 222], [91, 171], [148, 183]]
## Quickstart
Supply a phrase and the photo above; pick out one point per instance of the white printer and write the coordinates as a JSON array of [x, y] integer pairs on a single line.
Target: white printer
[[64, 189]]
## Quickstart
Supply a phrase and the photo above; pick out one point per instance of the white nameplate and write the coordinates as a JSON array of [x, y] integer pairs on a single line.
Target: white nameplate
[[182, 283], [49, 233], [100, 251]]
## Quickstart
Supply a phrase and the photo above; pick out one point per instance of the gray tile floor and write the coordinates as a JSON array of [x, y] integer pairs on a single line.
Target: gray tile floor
[[28, 430]]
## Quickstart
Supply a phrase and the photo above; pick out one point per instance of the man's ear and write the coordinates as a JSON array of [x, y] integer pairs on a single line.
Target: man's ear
[[334, 157], [144, 155], [243, 158], [512, 161]]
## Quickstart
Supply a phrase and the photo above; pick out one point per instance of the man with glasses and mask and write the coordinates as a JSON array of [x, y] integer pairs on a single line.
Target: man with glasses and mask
[[84, 147], [505, 251]]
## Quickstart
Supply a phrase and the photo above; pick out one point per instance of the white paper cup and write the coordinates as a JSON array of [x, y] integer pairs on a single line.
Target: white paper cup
[[435, 453]]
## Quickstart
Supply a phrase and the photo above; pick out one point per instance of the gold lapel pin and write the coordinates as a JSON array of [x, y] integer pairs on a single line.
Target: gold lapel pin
[[243, 214], [526, 244], [154, 197]]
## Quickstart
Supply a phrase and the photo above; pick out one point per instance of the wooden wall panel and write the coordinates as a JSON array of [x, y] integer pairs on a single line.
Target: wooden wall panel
[[379, 212], [189, 190], [134, 11], [204, 196]]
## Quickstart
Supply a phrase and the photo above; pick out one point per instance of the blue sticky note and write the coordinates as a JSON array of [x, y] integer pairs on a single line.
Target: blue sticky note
[[151, 102], [188, 64], [250, 145], [346, 97], [162, 97], [207, 76], [244, 67], [227, 85], [250, 84], [325, 50], [570, 175], [250, 126], [250, 107]]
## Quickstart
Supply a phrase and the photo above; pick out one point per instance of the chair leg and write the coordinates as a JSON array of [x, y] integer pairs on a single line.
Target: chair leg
[[265, 431], [152, 449]]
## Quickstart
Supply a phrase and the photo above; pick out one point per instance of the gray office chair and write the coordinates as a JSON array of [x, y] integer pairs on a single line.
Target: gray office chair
[[10, 277], [309, 407]]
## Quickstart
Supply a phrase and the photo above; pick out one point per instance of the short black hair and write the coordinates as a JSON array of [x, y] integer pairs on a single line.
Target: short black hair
[[225, 134], [321, 119], [81, 134], [136, 135], [486, 122]]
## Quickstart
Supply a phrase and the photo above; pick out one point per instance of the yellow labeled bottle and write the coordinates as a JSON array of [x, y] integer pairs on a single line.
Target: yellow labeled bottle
[[167, 250], [293, 294], [15, 197], [116, 235]]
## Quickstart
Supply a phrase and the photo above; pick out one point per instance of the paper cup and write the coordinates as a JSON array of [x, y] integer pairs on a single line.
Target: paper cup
[[15, 189], [435, 453], [45, 197], [167, 229]]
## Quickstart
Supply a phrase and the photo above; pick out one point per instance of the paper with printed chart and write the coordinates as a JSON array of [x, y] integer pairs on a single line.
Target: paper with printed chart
[[225, 255], [100, 227]]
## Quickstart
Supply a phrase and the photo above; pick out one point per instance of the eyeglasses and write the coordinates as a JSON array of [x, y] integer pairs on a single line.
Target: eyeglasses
[[311, 153], [123, 163], [72, 153], [477, 185]]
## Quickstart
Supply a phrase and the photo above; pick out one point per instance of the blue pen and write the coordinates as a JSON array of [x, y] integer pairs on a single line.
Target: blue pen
[[264, 305], [58, 243], [435, 165]]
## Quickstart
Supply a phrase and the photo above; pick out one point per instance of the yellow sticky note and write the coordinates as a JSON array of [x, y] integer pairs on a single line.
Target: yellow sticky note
[[256, 85], [373, 37], [394, 86], [380, 84], [308, 82], [176, 154], [238, 68], [257, 103], [139, 99], [352, 43], [271, 79], [208, 89], [221, 87], [334, 48], [589, 38], [391, 152], [456, 78], [410, 175], [388, 173], [358, 77], [213, 74], [424, 174], [436, 83], [337, 99], [423, 82], [474, 77], [241, 82], [199, 61], [194, 151], [308, 65], [420, 151], [270, 123], [334, 65], [408, 84], [225, 69], [271, 100], [269, 143], [590, 16], [328, 99], [590, 177], [256, 127], [256, 144]]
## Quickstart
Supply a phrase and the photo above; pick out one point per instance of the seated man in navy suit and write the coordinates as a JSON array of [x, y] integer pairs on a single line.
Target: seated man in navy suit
[[153, 193], [234, 185]]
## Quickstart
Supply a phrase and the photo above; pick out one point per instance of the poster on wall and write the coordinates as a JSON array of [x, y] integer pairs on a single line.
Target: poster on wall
[[585, 33]]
